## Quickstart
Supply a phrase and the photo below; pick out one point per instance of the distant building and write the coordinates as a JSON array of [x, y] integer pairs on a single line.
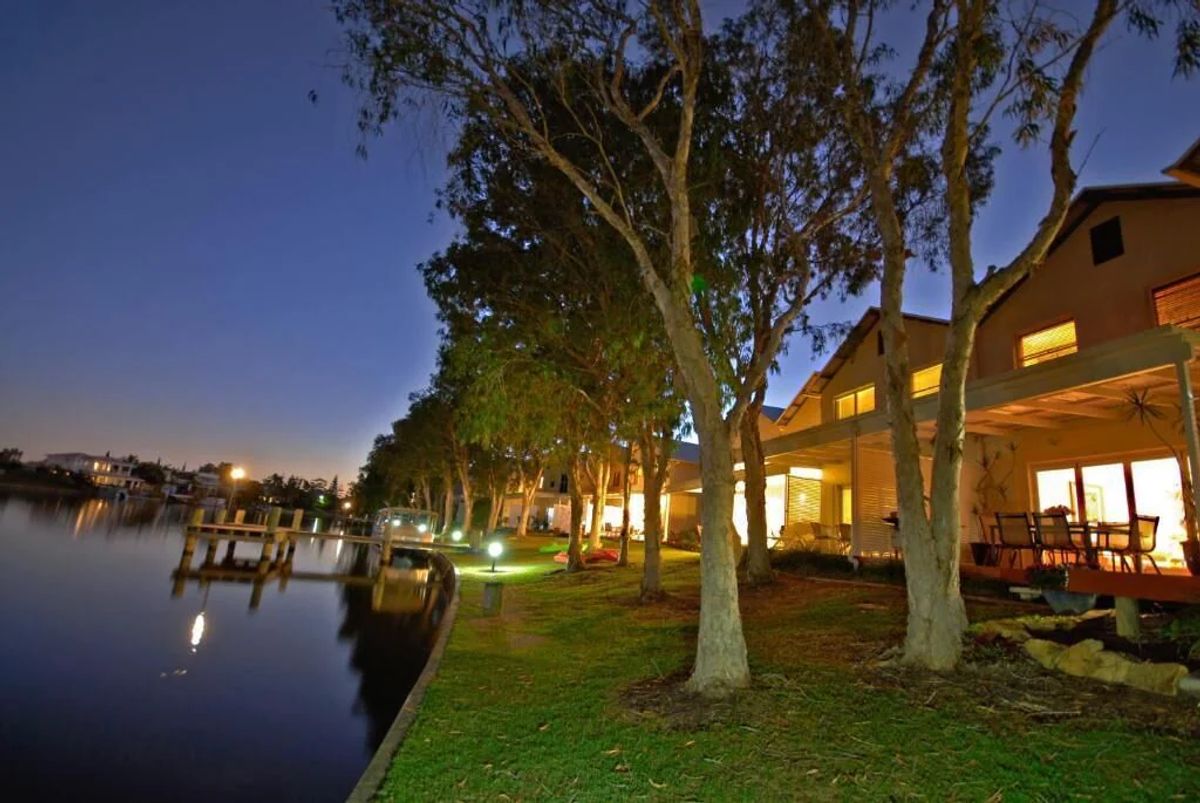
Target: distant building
[[103, 471]]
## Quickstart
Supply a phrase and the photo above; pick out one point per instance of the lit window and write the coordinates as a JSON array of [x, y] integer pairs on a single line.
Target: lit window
[[1048, 344], [1178, 304], [926, 381], [856, 402]]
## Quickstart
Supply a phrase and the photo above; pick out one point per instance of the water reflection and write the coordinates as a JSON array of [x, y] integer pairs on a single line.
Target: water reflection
[[283, 695]]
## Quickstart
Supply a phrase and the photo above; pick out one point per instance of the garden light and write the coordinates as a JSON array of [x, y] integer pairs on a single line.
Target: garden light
[[494, 550], [422, 529], [456, 535]]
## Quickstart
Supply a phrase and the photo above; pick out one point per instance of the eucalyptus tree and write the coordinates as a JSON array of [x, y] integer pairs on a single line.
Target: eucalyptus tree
[[552, 76], [973, 61]]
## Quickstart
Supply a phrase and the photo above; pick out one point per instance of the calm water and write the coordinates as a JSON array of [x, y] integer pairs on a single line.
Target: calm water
[[103, 696]]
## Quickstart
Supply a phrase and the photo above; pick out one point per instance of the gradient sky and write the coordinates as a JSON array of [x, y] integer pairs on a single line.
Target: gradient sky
[[194, 264]]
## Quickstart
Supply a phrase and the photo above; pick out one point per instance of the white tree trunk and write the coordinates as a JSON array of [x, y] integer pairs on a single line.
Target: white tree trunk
[[528, 493], [599, 498], [721, 664]]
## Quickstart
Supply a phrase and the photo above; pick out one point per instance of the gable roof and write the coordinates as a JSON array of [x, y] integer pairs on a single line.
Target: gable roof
[[1187, 167], [772, 413], [854, 338]]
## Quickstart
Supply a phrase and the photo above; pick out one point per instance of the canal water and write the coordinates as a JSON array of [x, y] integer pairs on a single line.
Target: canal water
[[118, 682]]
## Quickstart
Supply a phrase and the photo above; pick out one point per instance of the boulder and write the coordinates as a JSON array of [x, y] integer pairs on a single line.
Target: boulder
[[1004, 629], [1088, 659], [1044, 652]]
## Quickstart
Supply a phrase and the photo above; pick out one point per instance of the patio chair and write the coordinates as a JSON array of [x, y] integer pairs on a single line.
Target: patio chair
[[1135, 543], [1016, 535], [990, 533], [1054, 535]]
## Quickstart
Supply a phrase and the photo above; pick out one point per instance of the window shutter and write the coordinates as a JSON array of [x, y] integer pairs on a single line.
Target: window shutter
[[803, 500], [1178, 304], [1048, 344]]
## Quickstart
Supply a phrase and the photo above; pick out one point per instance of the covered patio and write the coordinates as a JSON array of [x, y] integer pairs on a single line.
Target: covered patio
[[1065, 435]]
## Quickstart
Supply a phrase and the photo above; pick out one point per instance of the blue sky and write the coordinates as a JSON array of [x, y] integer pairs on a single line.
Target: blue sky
[[195, 265]]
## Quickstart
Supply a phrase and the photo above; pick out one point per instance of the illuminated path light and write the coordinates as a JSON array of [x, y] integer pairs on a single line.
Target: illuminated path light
[[495, 548], [456, 536]]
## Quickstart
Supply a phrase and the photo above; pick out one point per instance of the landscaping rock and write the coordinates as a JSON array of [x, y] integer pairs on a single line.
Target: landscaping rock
[[1088, 659], [1005, 629], [1044, 652]]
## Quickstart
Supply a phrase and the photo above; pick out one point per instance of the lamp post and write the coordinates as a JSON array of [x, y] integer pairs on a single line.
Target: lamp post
[[235, 474], [494, 550]]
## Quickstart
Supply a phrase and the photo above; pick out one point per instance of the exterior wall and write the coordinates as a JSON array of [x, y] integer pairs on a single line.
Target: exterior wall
[[1107, 301], [927, 343], [683, 512]]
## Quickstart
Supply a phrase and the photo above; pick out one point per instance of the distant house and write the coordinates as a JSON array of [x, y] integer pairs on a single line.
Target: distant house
[[103, 471]]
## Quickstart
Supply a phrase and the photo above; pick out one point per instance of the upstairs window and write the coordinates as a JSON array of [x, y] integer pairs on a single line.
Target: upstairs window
[[926, 381], [1178, 304], [856, 402], [1107, 242], [1048, 344]]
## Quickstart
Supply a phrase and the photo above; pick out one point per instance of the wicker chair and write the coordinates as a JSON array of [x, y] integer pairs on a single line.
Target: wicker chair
[[1016, 536], [1138, 542], [1054, 535]]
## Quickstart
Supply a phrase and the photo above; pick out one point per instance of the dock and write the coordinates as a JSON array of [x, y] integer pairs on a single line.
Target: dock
[[273, 546]]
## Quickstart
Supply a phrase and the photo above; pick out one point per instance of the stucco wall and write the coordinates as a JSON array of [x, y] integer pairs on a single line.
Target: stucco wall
[[1107, 301], [927, 343]]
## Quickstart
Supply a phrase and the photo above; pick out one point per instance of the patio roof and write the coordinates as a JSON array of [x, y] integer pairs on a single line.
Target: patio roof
[[1088, 384]]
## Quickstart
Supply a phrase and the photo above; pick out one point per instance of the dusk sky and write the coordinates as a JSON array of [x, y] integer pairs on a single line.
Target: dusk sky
[[194, 264]]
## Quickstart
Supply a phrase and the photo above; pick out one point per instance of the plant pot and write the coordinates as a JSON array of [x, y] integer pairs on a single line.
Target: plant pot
[[1191, 556], [1072, 602], [982, 554]]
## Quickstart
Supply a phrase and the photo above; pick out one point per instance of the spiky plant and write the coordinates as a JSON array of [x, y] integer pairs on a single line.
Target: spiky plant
[[1140, 407]]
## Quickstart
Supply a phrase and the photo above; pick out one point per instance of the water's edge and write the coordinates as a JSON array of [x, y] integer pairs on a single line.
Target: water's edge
[[372, 777]]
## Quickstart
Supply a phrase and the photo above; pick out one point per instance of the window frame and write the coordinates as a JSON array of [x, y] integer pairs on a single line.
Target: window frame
[[1154, 291], [1020, 351], [937, 386], [854, 394]]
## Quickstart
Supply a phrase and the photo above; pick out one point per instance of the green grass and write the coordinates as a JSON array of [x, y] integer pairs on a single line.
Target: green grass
[[572, 694]]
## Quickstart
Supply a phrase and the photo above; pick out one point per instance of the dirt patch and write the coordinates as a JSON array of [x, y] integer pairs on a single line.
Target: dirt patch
[[1014, 692], [664, 700]]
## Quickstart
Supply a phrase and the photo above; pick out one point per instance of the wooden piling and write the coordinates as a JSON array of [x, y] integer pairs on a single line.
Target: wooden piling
[[219, 516], [239, 516], [297, 518]]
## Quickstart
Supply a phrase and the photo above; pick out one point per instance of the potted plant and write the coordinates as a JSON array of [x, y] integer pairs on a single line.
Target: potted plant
[[1142, 409], [1052, 581]]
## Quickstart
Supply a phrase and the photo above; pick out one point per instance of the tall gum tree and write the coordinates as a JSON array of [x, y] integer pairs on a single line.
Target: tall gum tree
[[640, 65], [975, 58]]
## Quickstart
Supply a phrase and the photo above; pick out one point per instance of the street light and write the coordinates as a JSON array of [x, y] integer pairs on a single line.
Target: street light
[[235, 473], [346, 505], [494, 550]]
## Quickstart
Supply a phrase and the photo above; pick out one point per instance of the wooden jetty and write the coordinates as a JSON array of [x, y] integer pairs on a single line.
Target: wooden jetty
[[274, 547]]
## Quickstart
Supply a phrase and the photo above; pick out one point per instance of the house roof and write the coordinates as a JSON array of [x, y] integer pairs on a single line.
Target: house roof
[[771, 412], [687, 452], [1187, 167], [854, 338]]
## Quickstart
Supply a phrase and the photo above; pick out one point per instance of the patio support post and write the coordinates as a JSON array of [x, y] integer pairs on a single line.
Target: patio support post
[[1187, 406], [855, 518]]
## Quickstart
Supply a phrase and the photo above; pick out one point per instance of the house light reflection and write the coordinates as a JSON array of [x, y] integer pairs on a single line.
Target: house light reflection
[[197, 630]]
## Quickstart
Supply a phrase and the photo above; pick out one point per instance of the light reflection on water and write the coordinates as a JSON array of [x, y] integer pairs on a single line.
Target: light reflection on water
[[116, 689]]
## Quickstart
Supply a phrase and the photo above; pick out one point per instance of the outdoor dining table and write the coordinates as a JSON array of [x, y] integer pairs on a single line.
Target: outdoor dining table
[[1090, 534]]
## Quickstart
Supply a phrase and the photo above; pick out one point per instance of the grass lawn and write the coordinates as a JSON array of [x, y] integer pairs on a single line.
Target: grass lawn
[[573, 694]]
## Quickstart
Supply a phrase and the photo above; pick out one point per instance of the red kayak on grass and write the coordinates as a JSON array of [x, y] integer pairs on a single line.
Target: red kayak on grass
[[595, 556]]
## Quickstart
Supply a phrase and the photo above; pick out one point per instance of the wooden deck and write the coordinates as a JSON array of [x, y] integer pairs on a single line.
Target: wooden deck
[[1166, 587]]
